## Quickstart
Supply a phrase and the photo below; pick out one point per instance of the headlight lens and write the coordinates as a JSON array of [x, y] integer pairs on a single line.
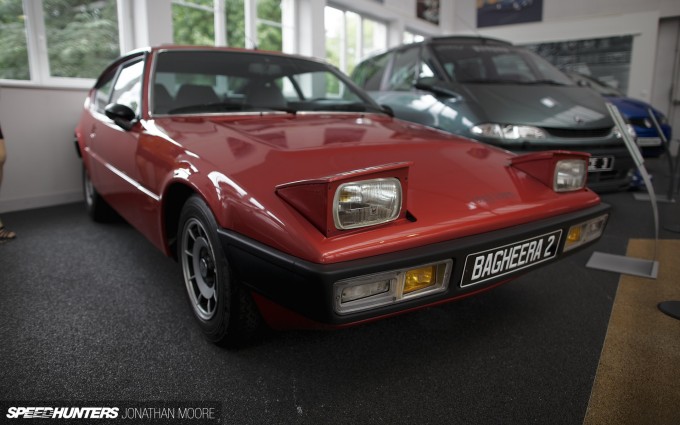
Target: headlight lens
[[629, 128], [509, 132], [570, 174], [367, 203]]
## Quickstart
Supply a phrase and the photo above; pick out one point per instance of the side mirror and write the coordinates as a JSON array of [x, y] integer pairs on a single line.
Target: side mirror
[[122, 115], [388, 110], [437, 87]]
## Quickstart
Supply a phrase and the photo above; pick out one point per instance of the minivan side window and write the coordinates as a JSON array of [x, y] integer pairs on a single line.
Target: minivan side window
[[368, 75], [404, 69]]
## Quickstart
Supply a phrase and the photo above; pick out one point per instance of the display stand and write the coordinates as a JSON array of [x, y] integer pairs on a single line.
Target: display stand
[[671, 308], [672, 168], [621, 263]]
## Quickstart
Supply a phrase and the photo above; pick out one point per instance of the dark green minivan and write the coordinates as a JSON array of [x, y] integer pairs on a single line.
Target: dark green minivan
[[500, 94]]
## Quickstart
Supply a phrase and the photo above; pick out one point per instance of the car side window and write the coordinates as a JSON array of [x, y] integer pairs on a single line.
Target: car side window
[[405, 69], [103, 91], [128, 88], [369, 74]]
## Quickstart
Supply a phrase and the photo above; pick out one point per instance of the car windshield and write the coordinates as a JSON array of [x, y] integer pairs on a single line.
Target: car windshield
[[493, 64], [212, 81]]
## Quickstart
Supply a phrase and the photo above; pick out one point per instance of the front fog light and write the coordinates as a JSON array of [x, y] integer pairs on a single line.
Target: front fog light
[[419, 278], [367, 203], [585, 232], [570, 174]]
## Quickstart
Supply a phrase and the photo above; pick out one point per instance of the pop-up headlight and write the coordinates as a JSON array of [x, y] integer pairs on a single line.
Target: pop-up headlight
[[352, 200], [570, 174], [562, 171], [366, 203]]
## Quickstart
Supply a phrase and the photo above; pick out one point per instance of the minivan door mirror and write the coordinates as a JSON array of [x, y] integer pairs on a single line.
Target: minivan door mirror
[[122, 115]]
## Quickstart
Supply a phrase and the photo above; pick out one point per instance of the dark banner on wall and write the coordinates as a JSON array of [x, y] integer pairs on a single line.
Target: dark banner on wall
[[428, 10], [605, 59], [507, 12]]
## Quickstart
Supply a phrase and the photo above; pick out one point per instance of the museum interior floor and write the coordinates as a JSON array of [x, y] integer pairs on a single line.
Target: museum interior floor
[[94, 312]]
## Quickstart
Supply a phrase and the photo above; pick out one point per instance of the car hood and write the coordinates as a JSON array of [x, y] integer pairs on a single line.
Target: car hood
[[548, 106], [457, 187]]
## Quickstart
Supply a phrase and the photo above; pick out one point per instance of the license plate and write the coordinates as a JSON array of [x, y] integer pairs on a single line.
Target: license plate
[[600, 163], [507, 259], [649, 141]]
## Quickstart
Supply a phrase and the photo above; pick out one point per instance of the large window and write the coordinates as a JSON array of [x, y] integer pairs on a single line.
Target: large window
[[351, 37], [73, 38], [194, 23]]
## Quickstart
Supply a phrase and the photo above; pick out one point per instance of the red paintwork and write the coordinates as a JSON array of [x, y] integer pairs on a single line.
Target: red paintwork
[[456, 187]]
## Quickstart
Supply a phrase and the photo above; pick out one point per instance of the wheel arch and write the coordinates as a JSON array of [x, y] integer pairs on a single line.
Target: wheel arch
[[174, 197]]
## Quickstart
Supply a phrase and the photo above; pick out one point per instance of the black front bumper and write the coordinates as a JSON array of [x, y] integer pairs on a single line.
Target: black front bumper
[[307, 288]]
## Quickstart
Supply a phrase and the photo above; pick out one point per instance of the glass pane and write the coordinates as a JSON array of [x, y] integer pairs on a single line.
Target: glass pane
[[352, 22], [13, 51], [128, 88], [269, 37], [236, 31], [333, 20], [375, 37], [193, 25], [269, 10], [82, 36]]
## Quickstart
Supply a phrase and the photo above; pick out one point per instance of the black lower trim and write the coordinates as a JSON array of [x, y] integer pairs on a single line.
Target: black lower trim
[[307, 288]]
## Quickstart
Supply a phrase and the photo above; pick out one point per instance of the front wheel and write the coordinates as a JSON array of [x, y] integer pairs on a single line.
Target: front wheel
[[224, 309]]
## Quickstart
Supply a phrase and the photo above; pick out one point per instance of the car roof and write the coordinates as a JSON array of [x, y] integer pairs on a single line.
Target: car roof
[[467, 39]]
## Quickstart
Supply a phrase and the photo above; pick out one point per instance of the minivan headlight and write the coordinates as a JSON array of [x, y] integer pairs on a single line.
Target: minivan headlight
[[367, 203], [508, 132]]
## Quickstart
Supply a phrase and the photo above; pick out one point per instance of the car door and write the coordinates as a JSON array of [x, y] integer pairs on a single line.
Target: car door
[[112, 148]]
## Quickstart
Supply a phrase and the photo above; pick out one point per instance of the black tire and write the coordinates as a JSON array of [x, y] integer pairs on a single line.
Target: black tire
[[224, 310], [96, 206]]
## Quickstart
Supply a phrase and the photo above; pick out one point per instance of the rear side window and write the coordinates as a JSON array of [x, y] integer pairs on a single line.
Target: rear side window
[[369, 74]]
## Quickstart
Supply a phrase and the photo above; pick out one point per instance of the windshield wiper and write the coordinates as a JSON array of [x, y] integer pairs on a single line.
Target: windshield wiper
[[227, 107]]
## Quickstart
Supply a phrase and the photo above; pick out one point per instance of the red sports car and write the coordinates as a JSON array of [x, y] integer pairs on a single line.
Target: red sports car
[[288, 195]]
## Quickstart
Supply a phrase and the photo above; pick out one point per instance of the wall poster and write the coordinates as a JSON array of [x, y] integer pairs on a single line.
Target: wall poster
[[506, 12], [428, 10]]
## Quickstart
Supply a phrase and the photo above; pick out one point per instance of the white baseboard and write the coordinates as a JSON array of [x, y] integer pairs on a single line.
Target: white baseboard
[[31, 202]]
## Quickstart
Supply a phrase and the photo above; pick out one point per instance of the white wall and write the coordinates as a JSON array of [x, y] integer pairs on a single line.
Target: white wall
[[42, 167]]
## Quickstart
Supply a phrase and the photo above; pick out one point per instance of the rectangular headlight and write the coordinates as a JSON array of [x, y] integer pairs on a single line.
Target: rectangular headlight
[[585, 232], [371, 291], [570, 174], [367, 203]]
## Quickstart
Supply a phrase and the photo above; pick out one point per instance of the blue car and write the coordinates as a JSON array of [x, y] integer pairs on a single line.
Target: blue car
[[637, 114]]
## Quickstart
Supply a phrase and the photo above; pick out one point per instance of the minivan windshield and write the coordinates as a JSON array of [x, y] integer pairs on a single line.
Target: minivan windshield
[[494, 64], [222, 82]]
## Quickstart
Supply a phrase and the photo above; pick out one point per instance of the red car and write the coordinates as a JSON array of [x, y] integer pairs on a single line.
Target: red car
[[288, 195]]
